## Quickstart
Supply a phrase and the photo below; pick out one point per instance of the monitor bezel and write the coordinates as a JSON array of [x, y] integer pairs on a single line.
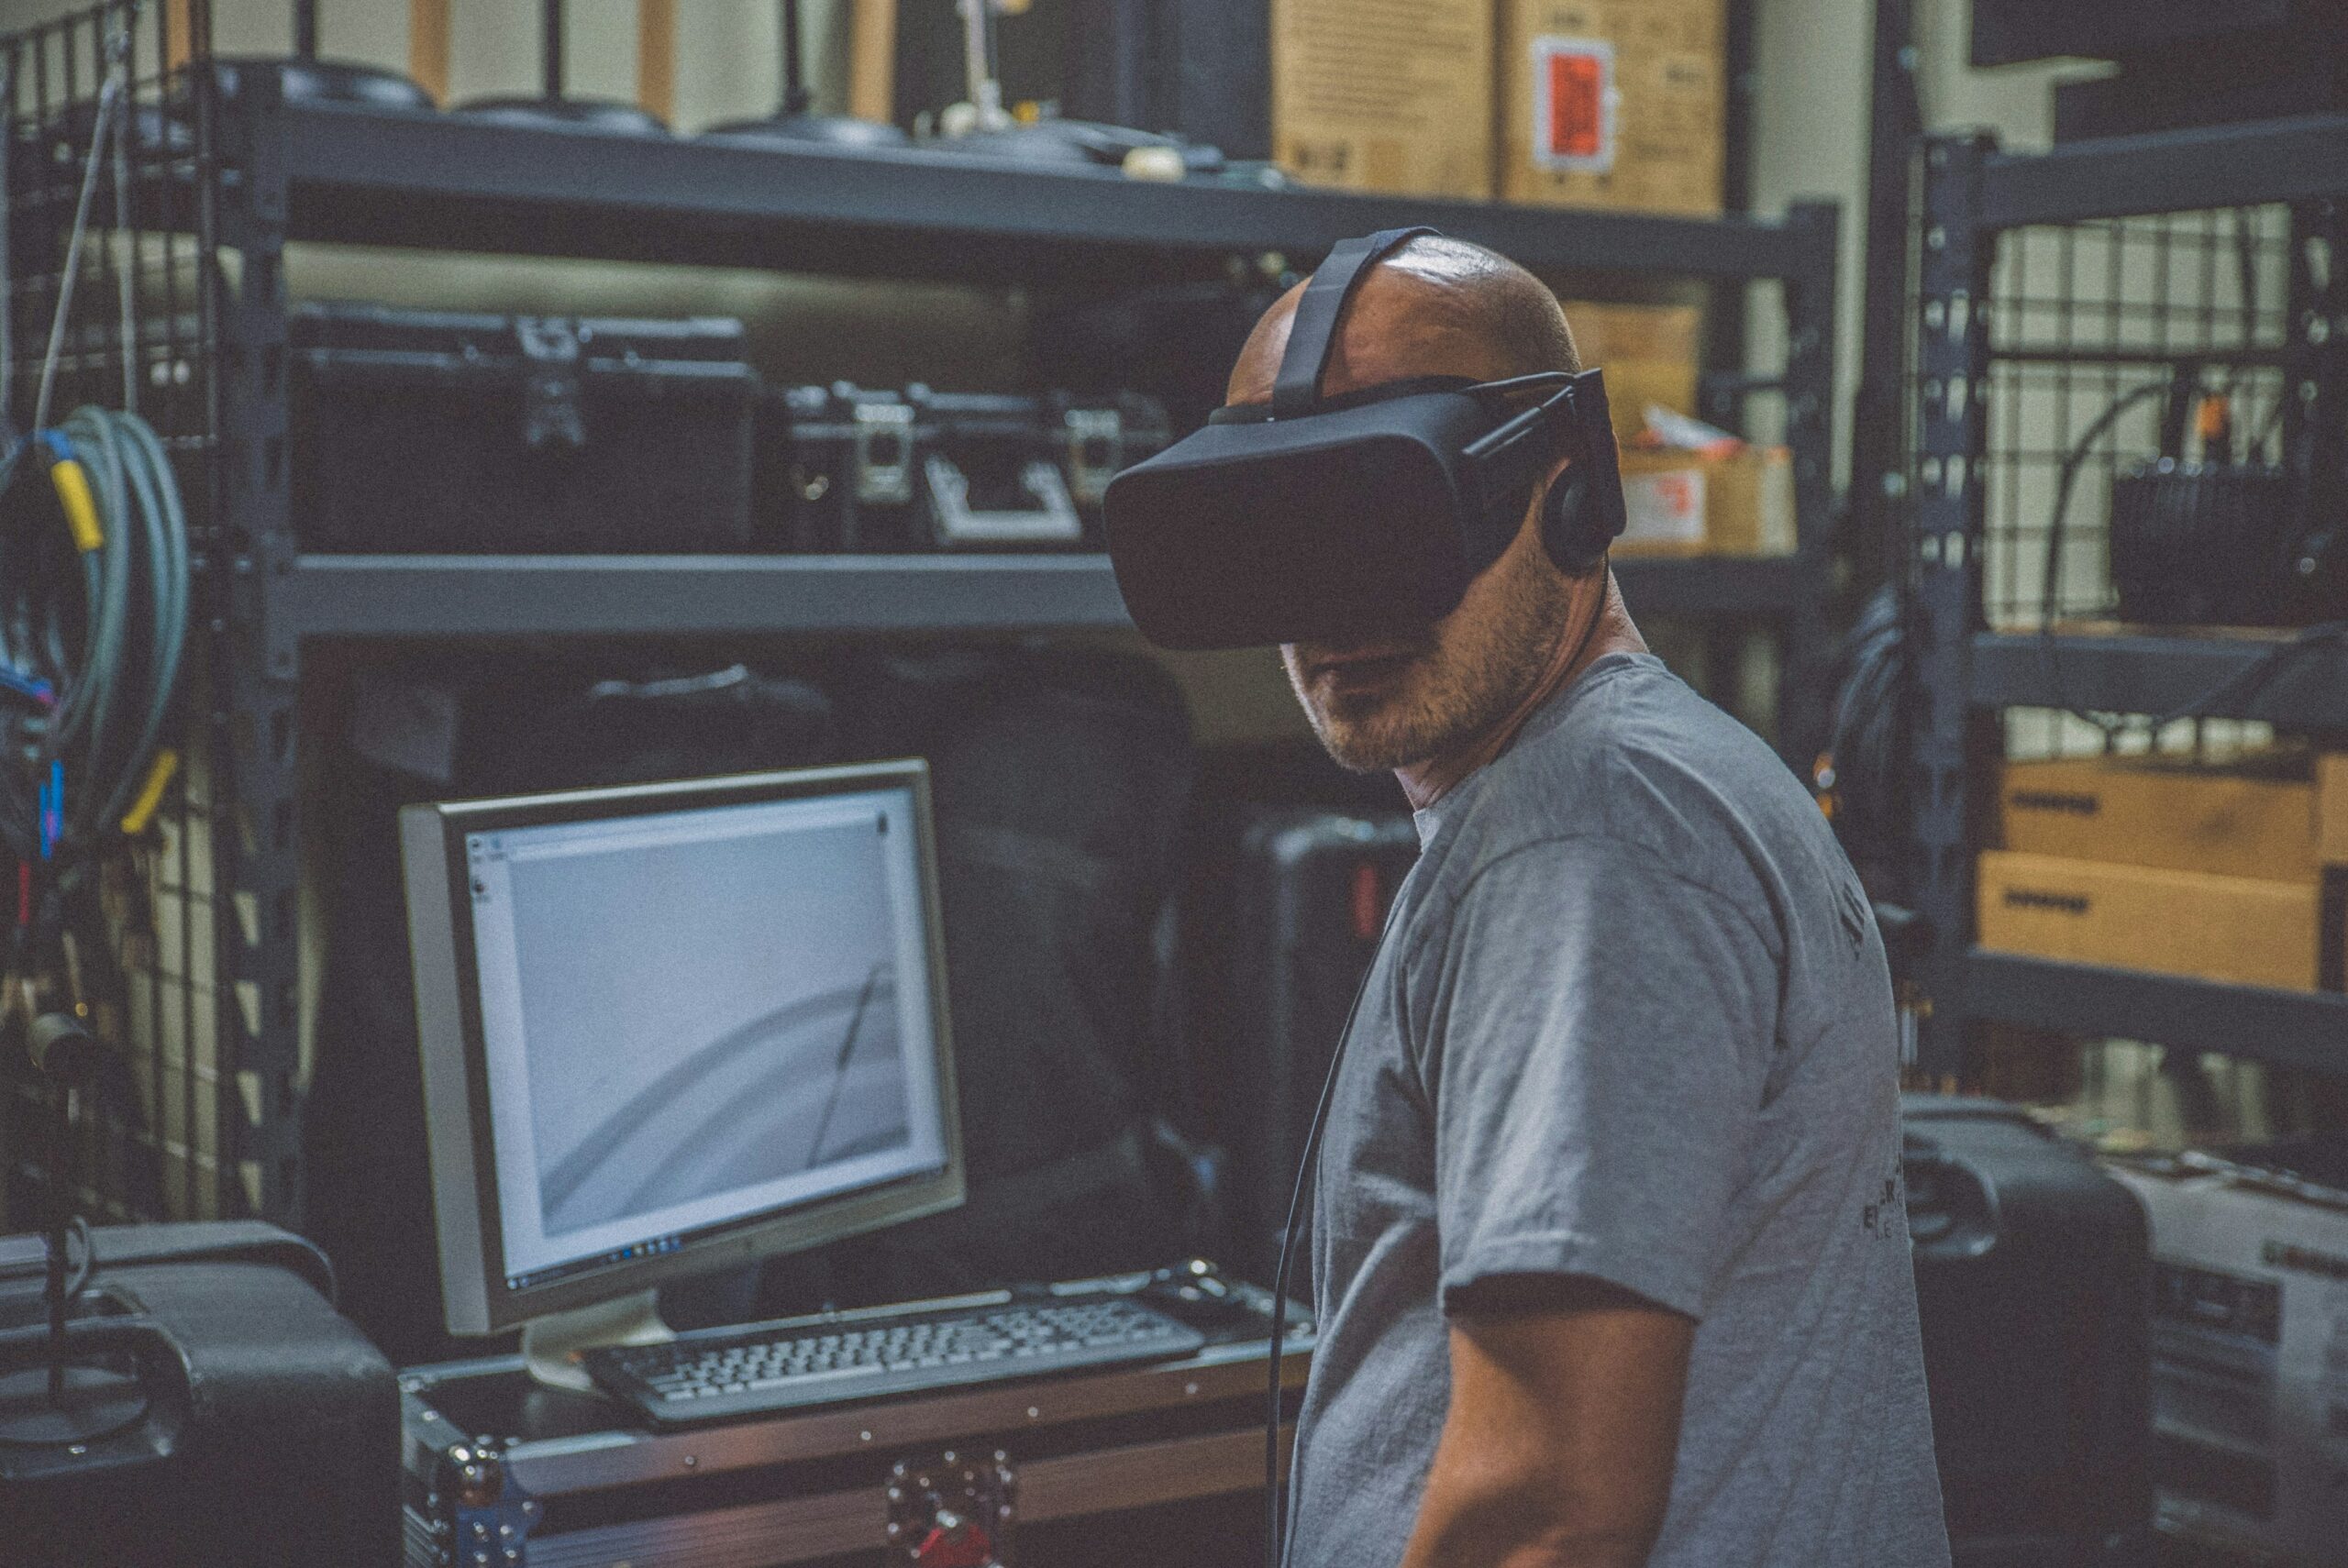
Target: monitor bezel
[[475, 1297]]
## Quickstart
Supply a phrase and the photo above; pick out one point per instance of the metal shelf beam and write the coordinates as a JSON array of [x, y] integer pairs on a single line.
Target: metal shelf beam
[[448, 181], [472, 596], [2175, 172], [481, 596], [2290, 1028], [2146, 673]]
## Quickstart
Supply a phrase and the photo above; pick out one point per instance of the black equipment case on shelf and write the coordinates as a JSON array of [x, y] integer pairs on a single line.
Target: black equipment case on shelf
[[272, 1436], [2033, 1275], [1312, 890], [433, 432], [843, 468], [2204, 544], [1157, 1464]]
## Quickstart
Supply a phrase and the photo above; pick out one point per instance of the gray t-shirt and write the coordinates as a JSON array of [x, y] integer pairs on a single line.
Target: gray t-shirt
[[1631, 1021]]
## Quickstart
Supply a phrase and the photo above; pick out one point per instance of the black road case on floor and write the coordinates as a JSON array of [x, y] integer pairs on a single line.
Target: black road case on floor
[[2033, 1275], [269, 1435], [1154, 1466]]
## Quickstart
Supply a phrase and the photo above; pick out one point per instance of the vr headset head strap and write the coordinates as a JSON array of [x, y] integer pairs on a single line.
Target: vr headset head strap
[[1314, 332]]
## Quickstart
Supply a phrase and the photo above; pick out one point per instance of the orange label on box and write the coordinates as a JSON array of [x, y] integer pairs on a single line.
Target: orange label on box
[[1574, 101], [1576, 125]]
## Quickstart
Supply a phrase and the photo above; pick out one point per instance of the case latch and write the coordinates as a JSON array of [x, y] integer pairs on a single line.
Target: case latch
[[1096, 450], [550, 366], [953, 1511], [884, 452]]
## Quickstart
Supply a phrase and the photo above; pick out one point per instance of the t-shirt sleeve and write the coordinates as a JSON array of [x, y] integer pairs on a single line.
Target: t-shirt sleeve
[[1594, 1033]]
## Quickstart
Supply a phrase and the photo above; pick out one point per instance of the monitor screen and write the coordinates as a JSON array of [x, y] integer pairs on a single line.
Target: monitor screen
[[682, 1017]]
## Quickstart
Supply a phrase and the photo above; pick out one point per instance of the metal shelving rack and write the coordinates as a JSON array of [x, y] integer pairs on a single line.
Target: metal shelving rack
[[326, 171], [277, 172], [1978, 337]]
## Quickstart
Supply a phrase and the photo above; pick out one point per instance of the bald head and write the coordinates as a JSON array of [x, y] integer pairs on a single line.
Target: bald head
[[1435, 308]]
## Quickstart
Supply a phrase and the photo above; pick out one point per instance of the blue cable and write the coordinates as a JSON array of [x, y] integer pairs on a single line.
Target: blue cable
[[52, 809], [25, 685]]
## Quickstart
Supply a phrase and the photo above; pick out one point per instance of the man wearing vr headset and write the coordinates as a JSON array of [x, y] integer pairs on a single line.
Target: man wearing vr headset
[[1610, 1252]]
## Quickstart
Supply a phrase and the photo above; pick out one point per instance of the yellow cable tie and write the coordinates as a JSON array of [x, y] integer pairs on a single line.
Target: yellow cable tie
[[151, 794], [81, 510]]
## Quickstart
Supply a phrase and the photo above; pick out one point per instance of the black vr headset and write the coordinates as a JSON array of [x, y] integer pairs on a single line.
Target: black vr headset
[[1313, 519]]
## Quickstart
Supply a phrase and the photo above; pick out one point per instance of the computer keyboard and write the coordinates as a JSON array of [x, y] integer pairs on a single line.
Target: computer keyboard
[[707, 1376]]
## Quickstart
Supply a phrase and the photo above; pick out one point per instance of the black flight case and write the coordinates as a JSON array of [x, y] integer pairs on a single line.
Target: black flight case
[[2033, 1280], [265, 1432], [851, 469], [442, 432], [1160, 1463]]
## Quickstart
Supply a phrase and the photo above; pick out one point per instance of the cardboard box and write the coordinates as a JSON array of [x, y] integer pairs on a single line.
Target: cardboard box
[[1614, 103], [2249, 1357], [1384, 95], [2241, 929], [1648, 352], [1686, 504], [2256, 817]]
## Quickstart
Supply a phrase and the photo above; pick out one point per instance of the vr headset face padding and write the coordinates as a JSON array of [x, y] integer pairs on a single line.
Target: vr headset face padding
[[1315, 519]]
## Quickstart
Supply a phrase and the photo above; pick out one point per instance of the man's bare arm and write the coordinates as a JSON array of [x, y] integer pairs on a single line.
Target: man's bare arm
[[1564, 1421]]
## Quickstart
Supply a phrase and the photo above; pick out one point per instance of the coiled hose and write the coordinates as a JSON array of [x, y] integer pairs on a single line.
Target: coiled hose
[[95, 610]]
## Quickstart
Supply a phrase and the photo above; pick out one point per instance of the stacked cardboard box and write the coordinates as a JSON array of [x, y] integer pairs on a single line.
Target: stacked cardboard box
[[1614, 103], [1648, 352], [1563, 103], [1384, 95], [1736, 501], [2166, 865]]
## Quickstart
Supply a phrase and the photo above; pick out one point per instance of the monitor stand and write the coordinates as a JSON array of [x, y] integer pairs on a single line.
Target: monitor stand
[[551, 1346]]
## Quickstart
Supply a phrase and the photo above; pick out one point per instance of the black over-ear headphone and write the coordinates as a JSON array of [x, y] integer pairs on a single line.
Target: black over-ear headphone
[[1576, 540]]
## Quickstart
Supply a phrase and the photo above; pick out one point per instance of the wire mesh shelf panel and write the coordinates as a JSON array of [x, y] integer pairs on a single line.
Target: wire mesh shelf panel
[[2105, 338], [2082, 317], [123, 320]]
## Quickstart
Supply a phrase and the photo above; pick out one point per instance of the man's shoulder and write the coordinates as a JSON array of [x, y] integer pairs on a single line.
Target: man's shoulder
[[1639, 765], [1637, 756]]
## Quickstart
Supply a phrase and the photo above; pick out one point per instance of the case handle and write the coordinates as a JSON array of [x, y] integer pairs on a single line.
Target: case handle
[[1053, 521]]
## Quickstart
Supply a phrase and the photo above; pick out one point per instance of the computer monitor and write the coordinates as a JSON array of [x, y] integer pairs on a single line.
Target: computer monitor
[[672, 1027]]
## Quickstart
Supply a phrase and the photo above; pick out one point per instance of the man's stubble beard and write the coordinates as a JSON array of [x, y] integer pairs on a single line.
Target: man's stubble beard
[[1454, 691]]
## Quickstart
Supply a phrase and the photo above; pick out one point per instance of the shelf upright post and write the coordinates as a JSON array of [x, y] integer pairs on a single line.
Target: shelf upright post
[[1805, 654], [1940, 553], [2315, 426], [255, 675]]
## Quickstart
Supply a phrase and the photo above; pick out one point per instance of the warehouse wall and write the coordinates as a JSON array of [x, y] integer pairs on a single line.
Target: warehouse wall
[[1810, 127]]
